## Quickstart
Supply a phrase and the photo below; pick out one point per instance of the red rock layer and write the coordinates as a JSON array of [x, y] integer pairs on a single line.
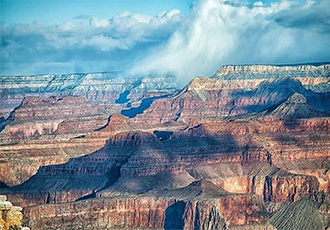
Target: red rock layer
[[37, 116], [148, 212], [20, 162], [99, 214]]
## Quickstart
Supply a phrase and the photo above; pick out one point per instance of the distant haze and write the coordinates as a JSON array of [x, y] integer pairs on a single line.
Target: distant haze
[[212, 34]]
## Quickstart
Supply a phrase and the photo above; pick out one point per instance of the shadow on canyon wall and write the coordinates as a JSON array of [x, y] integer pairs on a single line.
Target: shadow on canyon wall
[[145, 104], [174, 216], [87, 175]]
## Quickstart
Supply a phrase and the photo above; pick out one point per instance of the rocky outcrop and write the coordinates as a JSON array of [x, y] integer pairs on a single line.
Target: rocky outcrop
[[295, 107], [202, 215], [207, 206], [214, 98], [283, 186], [79, 126], [20, 162], [10, 216]]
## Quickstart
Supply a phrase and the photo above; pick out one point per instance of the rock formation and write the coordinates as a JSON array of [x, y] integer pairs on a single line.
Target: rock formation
[[245, 149], [96, 87], [202, 207], [214, 97], [37, 117], [47, 131]]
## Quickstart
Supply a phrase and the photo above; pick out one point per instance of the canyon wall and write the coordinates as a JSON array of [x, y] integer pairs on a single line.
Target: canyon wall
[[222, 97], [240, 150]]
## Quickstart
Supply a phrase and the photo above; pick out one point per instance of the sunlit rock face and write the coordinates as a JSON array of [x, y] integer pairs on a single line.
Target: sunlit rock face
[[237, 90], [210, 208], [240, 150]]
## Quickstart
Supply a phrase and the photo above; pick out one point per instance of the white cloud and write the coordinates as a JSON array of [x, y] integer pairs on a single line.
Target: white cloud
[[219, 32], [67, 26], [215, 32], [102, 45], [95, 22], [169, 14]]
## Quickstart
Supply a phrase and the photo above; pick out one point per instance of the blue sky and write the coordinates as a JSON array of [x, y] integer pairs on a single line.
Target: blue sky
[[58, 11], [185, 37]]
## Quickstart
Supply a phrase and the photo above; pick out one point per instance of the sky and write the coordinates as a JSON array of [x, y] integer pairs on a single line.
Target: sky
[[59, 11], [185, 37]]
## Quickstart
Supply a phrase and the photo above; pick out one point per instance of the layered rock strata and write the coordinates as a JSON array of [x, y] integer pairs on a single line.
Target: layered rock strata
[[43, 131], [241, 150], [37, 117], [135, 155], [200, 205], [210, 97], [96, 87]]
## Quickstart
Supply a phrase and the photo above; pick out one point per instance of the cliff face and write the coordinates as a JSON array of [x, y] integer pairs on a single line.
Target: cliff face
[[269, 71], [314, 77], [99, 214], [21, 161], [276, 187], [227, 152], [154, 211]]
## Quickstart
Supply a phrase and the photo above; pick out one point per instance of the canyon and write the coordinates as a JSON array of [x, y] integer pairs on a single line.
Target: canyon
[[95, 87], [247, 148]]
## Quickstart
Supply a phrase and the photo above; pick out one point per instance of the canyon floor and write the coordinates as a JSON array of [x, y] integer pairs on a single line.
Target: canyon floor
[[247, 148]]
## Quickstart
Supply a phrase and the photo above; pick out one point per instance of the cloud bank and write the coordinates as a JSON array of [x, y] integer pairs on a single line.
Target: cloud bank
[[83, 44], [214, 33]]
